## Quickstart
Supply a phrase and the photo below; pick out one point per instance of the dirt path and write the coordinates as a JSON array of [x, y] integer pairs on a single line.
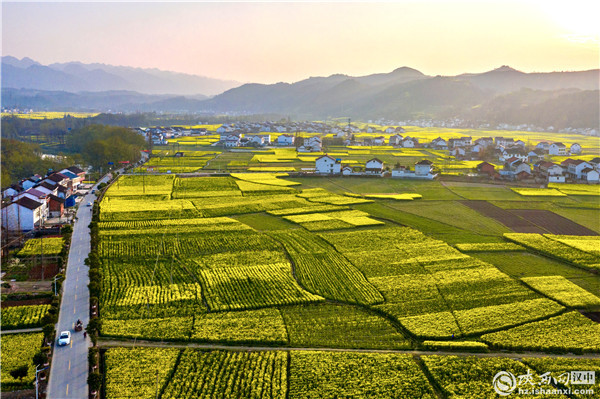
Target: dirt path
[[21, 331], [112, 343]]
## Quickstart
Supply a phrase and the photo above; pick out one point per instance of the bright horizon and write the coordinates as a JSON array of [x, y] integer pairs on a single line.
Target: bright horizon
[[273, 42]]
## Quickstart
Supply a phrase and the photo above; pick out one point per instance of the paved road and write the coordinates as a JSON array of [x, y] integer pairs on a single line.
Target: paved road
[[68, 376], [116, 343]]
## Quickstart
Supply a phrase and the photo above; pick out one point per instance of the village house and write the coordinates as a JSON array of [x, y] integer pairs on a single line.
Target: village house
[[378, 140], [516, 152], [557, 149], [311, 144], [535, 155], [24, 214], [56, 206], [423, 170], [503, 141], [575, 149], [395, 139], [11, 191], [410, 142], [285, 140], [486, 168], [590, 175], [485, 142], [547, 169], [575, 169], [374, 167], [460, 142], [543, 145], [439, 143], [328, 165], [347, 170]]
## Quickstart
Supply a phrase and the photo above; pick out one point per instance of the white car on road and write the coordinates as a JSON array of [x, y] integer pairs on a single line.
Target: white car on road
[[64, 338]]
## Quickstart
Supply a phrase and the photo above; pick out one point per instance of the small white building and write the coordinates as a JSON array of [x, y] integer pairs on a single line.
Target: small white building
[[374, 166], [590, 175], [409, 142], [347, 171], [556, 179], [423, 168], [575, 149], [557, 149], [285, 139], [328, 165], [22, 215]]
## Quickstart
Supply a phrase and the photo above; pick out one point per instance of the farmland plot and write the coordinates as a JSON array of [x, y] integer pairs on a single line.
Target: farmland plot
[[365, 375], [226, 374], [253, 287]]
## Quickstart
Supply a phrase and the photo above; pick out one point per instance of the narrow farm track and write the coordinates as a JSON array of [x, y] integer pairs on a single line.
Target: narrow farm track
[[21, 331], [130, 343]]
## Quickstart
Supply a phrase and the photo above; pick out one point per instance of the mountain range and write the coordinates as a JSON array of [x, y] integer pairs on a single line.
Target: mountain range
[[503, 95], [76, 76]]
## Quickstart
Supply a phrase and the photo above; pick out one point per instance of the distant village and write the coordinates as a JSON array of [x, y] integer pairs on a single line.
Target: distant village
[[519, 163]]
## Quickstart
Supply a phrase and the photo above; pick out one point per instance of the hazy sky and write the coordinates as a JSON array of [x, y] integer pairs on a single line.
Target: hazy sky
[[277, 41]]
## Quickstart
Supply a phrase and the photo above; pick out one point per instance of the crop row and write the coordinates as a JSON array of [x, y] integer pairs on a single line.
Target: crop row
[[568, 332], [242, 205], [328, 273], [564, 291], [192, 187], [590, 244], [157, 245], [556, 249], [28, 316], [50, 246], [340, 326], [227, 374], [193, 373], [252, 287], [18, 351], [138, 372], [489, 247], [265, 178], [127, 185], [143, 224], [258, 326], [357, 375]]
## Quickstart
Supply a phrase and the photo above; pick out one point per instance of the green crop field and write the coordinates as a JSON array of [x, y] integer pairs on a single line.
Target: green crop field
[[291, 268]]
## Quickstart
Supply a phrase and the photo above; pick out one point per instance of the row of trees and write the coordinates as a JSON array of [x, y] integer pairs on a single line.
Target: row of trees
[[20, 160], [100, 144], [94, 145]]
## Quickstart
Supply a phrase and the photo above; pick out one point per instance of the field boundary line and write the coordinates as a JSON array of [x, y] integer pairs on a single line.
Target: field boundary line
[[117, 343]]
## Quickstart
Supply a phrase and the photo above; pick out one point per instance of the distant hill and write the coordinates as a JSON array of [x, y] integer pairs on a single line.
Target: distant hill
[[558, 108], [76, 77], [503, 95], [121, 101]]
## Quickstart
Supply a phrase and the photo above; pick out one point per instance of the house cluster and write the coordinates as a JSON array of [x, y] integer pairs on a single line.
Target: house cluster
[[27, 204], [229, 140], [328, 165], [311, 144], [569, 170], [160, 135]]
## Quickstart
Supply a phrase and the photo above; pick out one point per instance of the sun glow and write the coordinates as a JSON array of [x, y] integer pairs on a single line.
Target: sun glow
[[577, 19]]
